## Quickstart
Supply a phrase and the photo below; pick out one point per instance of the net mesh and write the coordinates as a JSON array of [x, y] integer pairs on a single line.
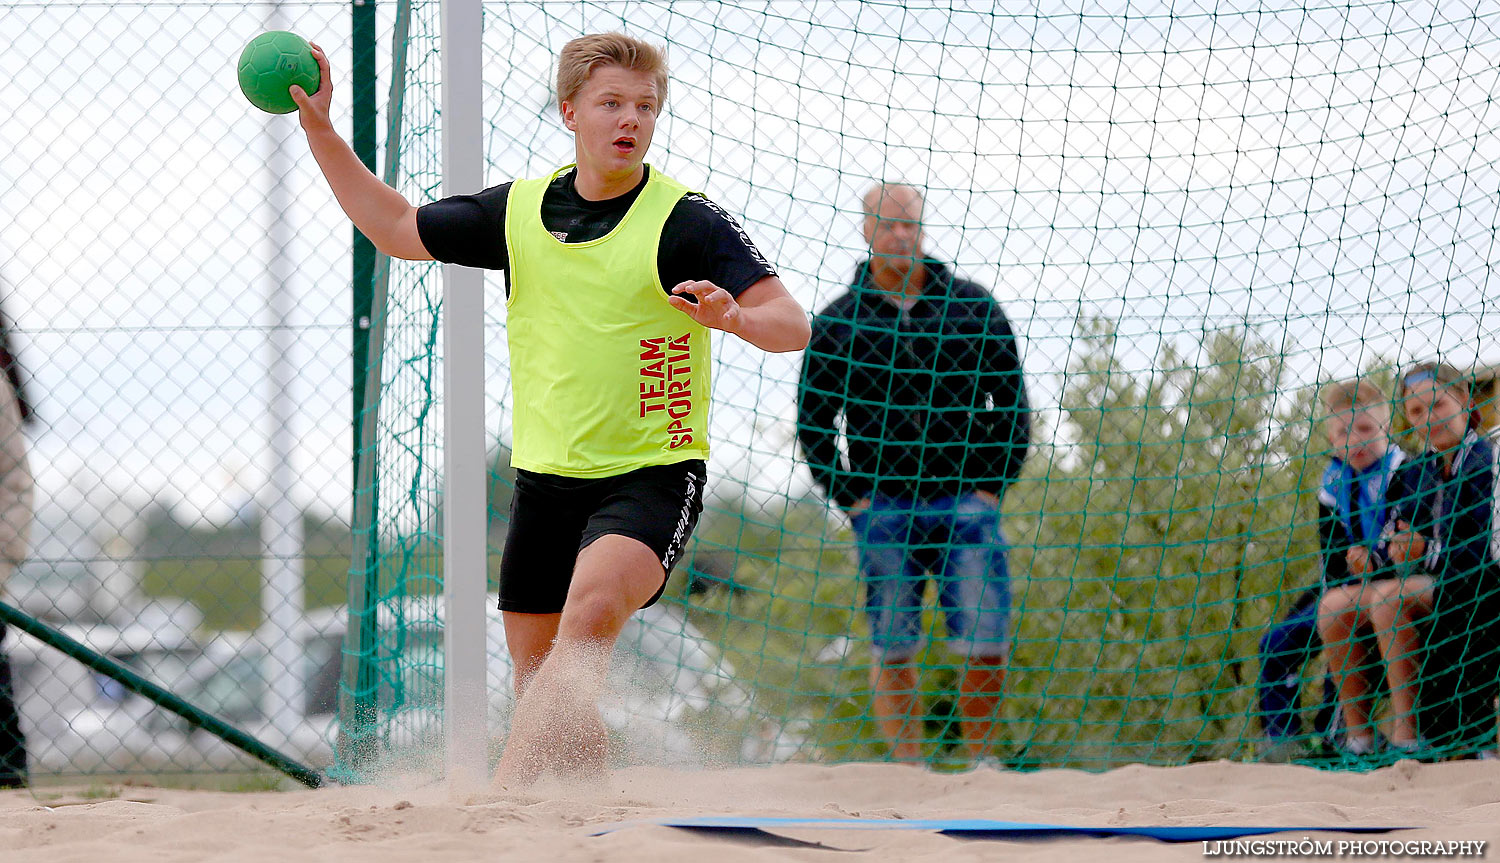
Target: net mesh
[[1192, 215], [180, 321]]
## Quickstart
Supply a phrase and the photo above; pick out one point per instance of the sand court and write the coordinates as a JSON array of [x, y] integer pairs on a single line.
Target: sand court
[[555, 821]]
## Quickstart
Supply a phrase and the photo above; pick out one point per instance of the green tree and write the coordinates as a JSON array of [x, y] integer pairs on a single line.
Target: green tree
[[1150, 547], [1162, 537]]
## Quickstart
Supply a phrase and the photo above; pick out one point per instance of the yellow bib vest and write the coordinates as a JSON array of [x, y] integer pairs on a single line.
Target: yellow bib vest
[[606, 376]]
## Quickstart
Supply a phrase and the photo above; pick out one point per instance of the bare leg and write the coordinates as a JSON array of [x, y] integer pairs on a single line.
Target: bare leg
[[556, 723], [1395, 630], [1339, 617], [979, 703], [529, 639], [896, 701]]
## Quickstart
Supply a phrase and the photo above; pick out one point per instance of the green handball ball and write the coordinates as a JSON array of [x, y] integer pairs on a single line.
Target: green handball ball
[[271, 64]]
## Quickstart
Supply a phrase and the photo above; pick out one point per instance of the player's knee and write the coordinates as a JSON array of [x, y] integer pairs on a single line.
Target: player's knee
[[1383, 616], [1335, 620], [1334, 604], [595, 613]]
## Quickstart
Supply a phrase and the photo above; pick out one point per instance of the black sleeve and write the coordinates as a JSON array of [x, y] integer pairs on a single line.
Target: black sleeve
[[1463, 634], [467, 229], [820, 401], [1403, 498], [1008, 419], [1467, 544], [1410, 500], [700, 241], [1381, 565], [1333, 543]]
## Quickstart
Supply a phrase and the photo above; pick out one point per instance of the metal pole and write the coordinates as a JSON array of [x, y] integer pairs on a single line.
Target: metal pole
[[134, 682], [362, 86], [464, 510], [357, 697], [281, 519]]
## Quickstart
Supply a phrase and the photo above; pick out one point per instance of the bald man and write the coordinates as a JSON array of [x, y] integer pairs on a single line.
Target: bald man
[[918, 369]]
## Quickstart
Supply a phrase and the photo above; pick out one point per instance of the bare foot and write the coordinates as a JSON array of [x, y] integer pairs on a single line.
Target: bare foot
[[556, 725]]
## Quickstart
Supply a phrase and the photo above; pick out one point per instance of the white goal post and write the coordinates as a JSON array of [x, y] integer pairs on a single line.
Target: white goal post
[[465, 572]]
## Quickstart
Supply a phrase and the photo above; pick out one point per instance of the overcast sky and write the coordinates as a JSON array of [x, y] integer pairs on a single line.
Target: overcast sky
[[1328, 174]]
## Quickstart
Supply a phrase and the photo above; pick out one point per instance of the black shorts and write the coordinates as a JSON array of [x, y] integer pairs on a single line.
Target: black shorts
[[552, 518]]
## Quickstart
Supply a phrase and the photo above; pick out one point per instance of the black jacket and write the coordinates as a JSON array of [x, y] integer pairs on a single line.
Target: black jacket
[[932, 399], [1455, 514]]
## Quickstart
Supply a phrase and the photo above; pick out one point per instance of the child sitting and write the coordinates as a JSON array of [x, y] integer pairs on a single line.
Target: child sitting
[[1363, 595], [1443, 525]]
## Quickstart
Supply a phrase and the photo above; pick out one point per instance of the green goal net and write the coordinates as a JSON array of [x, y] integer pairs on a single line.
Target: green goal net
[[1193, 216]]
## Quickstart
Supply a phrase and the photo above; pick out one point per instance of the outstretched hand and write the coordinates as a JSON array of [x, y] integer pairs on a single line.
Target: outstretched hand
[[715, 308], [314, 109]]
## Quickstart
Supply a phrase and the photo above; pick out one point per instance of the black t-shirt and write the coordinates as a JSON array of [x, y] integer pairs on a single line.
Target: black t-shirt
[[698, 241]]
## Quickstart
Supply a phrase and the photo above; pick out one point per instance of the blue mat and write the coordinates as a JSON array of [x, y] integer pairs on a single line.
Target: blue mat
[[972, 828]]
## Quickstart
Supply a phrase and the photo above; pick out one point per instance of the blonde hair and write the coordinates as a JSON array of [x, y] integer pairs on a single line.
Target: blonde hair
[[581, 56], [1353, 395]]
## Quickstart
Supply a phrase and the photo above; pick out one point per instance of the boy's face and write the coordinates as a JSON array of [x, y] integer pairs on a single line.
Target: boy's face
[[612, 120], [1359, 436], [1436, 413]]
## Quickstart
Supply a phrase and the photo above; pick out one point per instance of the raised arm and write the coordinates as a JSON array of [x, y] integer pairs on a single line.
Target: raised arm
[[380, 212]]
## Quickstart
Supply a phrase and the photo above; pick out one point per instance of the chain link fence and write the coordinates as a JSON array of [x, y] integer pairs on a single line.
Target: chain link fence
[[176, 279], [1193, 216]]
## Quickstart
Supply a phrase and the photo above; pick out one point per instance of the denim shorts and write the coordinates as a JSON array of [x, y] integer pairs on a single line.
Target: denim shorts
[[955, 539]]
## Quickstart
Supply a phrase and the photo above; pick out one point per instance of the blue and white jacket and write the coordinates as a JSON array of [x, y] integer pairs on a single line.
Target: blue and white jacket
[[1355, 509]]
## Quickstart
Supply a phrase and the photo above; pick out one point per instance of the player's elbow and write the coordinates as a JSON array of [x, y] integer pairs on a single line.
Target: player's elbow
[[398, 236], [403, 249], [793, 330], [798, 331]]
